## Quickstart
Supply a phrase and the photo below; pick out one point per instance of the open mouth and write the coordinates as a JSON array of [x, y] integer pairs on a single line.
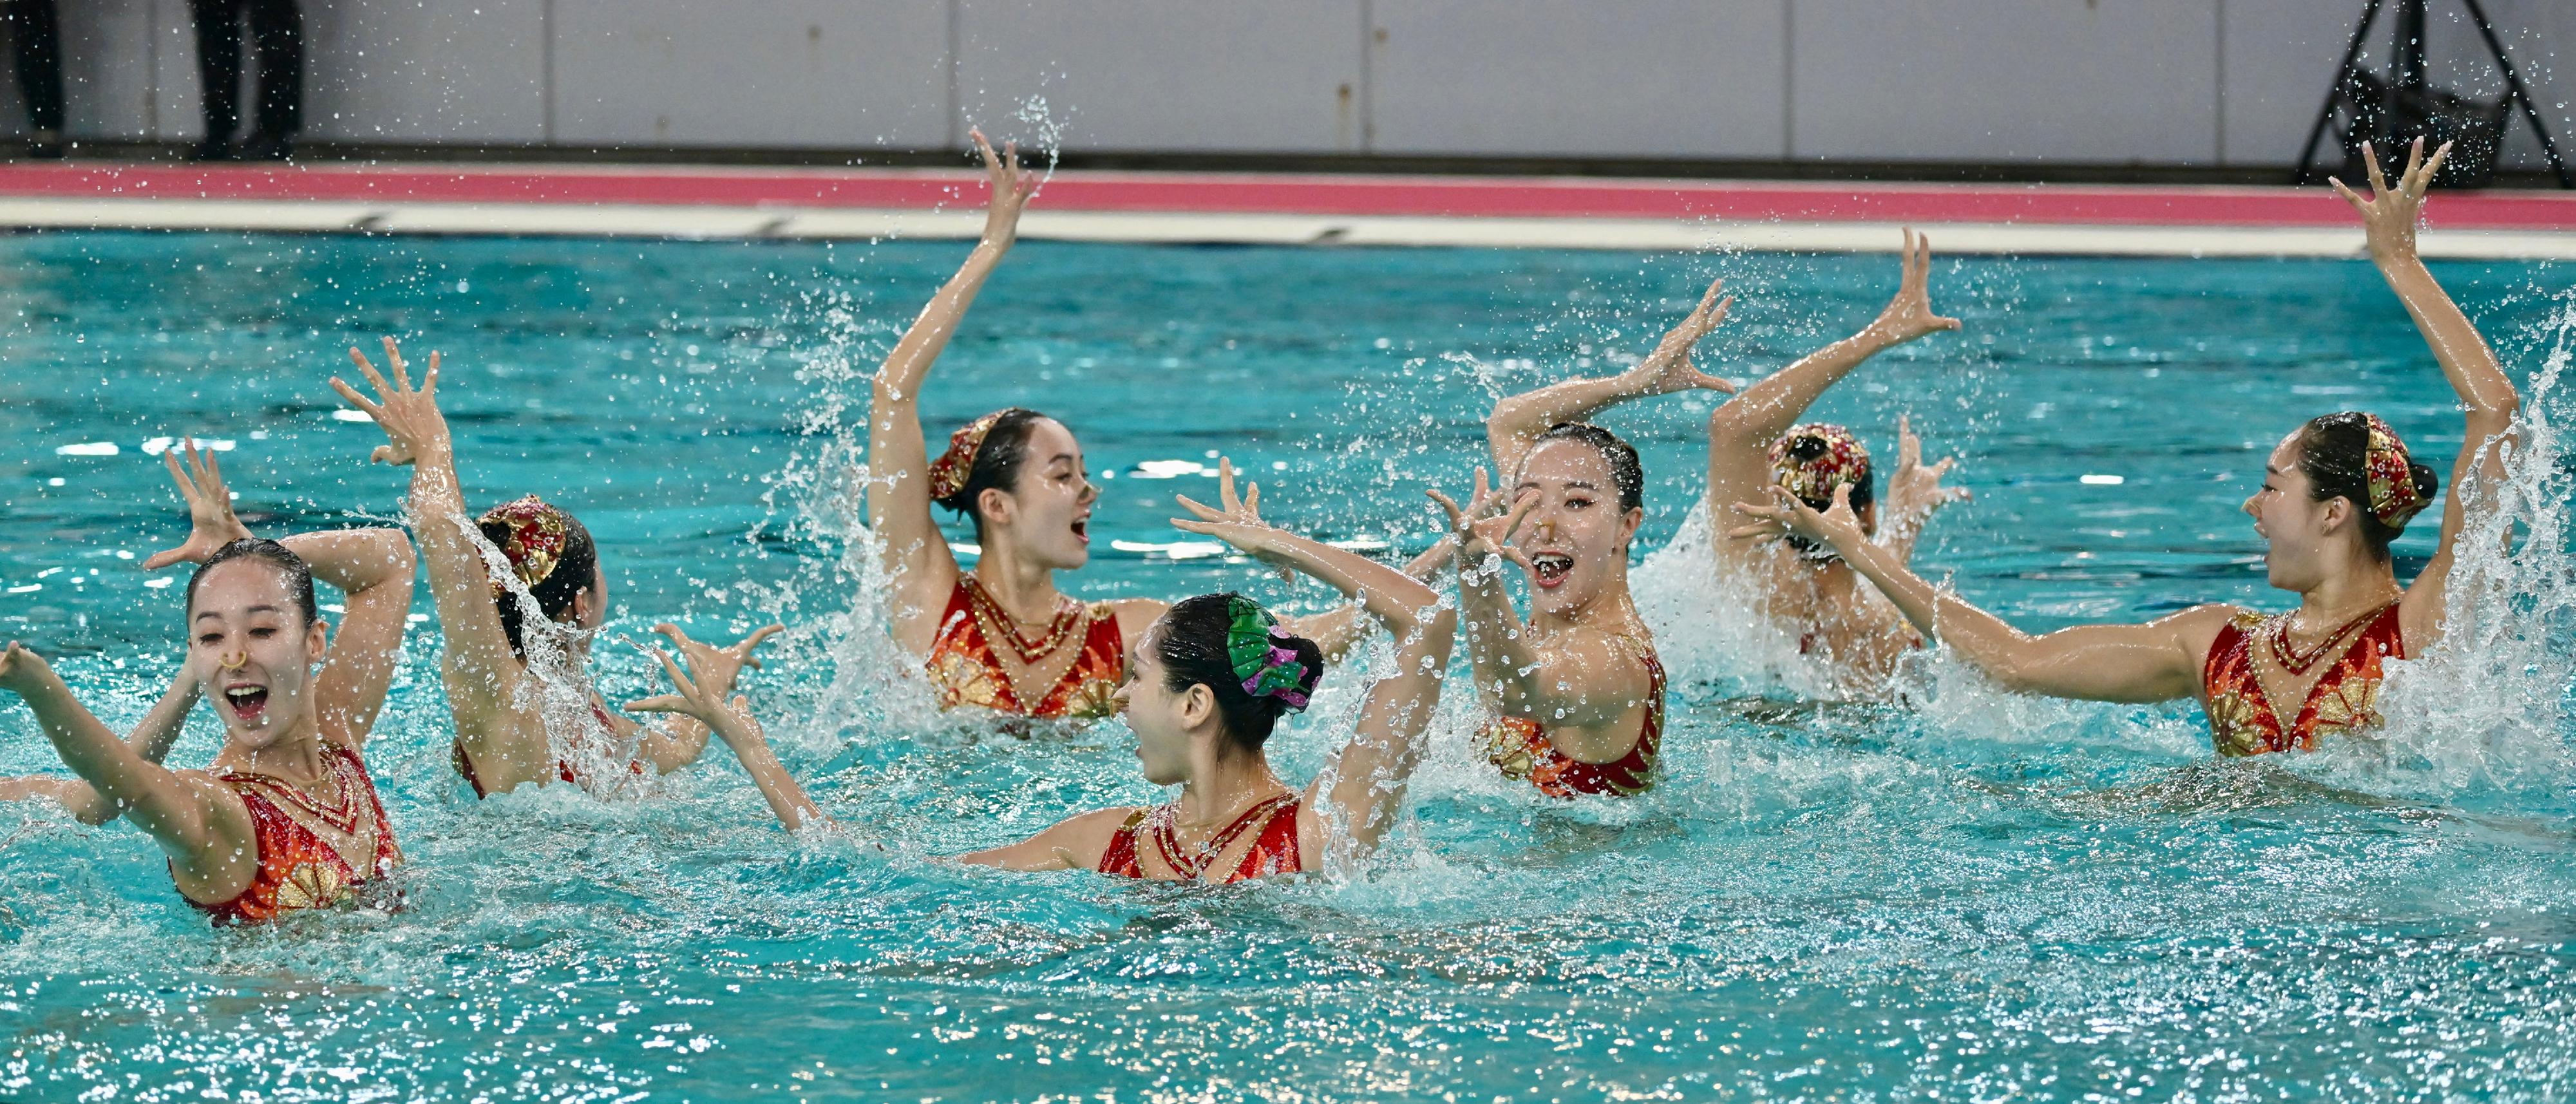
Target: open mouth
[[1082, 529], [249, 703], [1549, 569]]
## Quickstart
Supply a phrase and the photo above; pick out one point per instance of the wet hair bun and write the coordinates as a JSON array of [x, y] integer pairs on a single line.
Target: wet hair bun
[[2334, 453], [997, 456], [1192, 642]]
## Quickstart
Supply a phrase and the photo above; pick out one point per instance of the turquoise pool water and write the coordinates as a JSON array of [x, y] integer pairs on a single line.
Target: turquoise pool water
[[1974, 898]]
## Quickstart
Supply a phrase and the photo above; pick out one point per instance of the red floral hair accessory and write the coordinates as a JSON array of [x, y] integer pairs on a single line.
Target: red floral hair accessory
[[948, 473], [535, 541], [2393, 497], [1813, 479]]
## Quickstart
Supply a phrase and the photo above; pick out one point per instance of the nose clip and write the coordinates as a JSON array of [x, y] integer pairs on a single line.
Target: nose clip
[[233, 660]]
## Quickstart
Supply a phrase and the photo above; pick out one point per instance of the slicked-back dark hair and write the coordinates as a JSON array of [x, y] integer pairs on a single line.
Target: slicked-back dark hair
[[299, 575], [1626, 474], [997, 463]]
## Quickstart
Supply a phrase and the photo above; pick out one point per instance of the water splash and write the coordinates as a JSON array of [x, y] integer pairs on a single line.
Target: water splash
[[2490, 704]]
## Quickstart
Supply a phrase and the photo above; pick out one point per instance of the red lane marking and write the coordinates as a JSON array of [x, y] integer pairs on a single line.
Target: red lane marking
[[1281, 194]]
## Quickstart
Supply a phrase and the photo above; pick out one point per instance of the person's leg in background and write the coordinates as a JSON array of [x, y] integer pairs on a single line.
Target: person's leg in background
[[219, 73], [277, 37], [38, 41]]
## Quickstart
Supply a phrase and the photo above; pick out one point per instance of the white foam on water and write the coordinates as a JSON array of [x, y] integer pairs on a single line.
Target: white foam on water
[[2489, 706]]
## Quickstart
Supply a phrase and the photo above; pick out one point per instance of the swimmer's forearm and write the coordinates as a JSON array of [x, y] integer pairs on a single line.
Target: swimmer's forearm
[[910, 360], [116, 770], [1924, 605], [477, 666], [1762, 412], [2466, 359], [355, 560], [1519, 419], [160, 728], [1396, 599], [1499, 650], [750, 746]]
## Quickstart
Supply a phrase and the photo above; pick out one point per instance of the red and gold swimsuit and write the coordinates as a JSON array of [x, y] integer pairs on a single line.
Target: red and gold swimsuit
[[967, 671], [2346, 696], [304, 843], [1522, 750], [1274, 845], [563, 767]]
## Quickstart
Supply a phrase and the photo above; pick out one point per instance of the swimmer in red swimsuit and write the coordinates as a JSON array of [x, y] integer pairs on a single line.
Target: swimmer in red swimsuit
[[287, 817], [1753, 445], [518, 686], [1584, 660], [1205, 685], [1003, 637], [2335, 492]]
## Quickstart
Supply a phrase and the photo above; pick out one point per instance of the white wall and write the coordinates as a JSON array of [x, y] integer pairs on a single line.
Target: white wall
[[2155, 82]]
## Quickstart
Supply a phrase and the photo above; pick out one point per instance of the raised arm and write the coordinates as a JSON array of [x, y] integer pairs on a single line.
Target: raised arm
[[371, 567], [1336, 631], [918, 562], [203, 829], [1741, 430], [1517, 421], [481, 674], [1369, 774], [732, 722], [2486, 393], [151, 739], [2157, 661]]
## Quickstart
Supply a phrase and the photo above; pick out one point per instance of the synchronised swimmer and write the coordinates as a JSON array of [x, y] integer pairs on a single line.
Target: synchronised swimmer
[[1571, 689]]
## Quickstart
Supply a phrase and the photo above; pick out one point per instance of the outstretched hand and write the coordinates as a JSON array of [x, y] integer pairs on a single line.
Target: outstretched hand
[[718, 668], [1787, 515], [1011, 186], [1236, 519], [409, 418], [689, 696], [2389, 217], [1915, 490], [1485, 526], [1668, 369], [1909, 315], [212, 523]]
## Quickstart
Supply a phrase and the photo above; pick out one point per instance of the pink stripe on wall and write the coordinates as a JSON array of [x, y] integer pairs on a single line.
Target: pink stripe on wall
[[1249, 193]]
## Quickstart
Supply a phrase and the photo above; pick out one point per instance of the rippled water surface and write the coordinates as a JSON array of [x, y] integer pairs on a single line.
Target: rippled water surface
[[1966, 896]]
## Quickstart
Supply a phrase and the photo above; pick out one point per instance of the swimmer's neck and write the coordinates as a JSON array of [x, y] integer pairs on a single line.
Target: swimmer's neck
[[2346, 595], [1023, 589], [1224, 781], [295, 756], [1612, 610]]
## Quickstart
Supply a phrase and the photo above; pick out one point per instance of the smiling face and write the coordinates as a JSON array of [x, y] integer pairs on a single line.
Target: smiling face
[[1576, 537], [1166, 721], [250, 646], [2297, 530], [1046, 519]]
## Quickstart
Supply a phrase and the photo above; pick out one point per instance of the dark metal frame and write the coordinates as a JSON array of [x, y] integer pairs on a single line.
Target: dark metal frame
[[2407, 72]]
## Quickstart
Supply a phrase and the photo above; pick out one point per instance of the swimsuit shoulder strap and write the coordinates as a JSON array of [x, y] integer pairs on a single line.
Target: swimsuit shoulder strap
[[1119, 858]]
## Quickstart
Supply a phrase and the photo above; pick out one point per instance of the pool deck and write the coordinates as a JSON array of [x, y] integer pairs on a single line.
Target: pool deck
[[1257, 208]]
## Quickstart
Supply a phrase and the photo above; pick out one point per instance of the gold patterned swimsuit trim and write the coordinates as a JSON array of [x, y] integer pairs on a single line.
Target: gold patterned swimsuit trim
[[2276, 636], [1167, 840], [1069, 616]]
